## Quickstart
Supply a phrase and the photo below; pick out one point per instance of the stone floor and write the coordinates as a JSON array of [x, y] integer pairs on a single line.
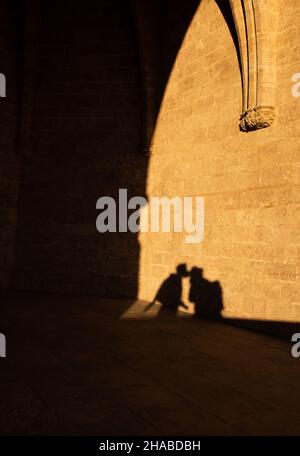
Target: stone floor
[[96, 366]]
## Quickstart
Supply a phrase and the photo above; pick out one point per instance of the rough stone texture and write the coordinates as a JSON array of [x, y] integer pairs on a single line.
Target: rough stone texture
[[256, 118], [85, 144], [250, 181], [256, 37], [86, 135]]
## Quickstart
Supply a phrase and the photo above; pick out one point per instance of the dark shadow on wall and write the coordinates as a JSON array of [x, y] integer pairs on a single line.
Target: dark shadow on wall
[[85, 140], [85, 137]]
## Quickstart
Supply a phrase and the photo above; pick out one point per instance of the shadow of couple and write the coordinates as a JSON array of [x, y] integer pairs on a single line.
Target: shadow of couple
[[205, 295]]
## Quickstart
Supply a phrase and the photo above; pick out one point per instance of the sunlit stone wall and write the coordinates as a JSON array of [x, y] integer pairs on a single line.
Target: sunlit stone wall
[[250, 181]]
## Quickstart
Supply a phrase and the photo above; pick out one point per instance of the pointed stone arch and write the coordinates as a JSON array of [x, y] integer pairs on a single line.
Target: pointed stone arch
[[256, 23]]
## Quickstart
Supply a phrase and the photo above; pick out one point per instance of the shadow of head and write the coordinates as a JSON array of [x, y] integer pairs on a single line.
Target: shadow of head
[[182, 270]]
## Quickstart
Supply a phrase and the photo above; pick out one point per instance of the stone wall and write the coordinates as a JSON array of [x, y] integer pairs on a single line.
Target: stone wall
[[250, 181], [9, 168], [82, 126], [86, 139]]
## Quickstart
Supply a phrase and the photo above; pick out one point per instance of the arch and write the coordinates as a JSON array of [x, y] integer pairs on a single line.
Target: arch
[[254, 27]]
